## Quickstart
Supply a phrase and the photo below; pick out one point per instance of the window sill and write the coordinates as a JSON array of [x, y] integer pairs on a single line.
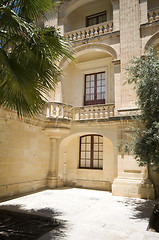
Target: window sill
[[90, 169]]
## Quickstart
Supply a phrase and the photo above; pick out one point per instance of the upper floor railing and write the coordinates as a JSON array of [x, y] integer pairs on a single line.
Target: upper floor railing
[[153, 15], [91, 31], [61, 111]]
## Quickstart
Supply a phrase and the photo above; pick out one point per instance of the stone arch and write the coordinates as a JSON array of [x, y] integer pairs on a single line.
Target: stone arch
[[152, 41], [69, 171], [91, 46], [66, 139], [100, 46], [71, 5]]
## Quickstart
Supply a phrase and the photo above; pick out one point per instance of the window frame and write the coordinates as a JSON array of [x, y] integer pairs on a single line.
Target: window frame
[[95, 101], [96, 16], [92, 152]]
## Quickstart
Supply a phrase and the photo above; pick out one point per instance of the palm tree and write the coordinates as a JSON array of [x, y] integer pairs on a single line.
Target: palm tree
[[29, 55]]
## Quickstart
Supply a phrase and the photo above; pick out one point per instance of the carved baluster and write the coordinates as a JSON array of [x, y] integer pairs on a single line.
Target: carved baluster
[[101, 30], [91, 113], [54, 111], [76, 114], [101, 112], [65, 112], [70, 113], [51, 110], [85, 114], [83, 34], [157, 15], [57, 111], [74, 37], [92, 32], [87, 35], [60, 111], [81, 114], [79, 35], [151, 17], [106, 112], [111, 111], [96, 113], [105, 29], [96, 31], [48, 110], [110, 27]]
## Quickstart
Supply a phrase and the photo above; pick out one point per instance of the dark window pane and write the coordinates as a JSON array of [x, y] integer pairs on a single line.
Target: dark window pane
[[100, 19], [103, 96], [96, 19], [99, 96], [95, 165], [98, 89], [83, 163], [92, 90], [88, 163], [103, 89], [103, 75], [88, 97], [98, 83], [92, 84], [99, 76]]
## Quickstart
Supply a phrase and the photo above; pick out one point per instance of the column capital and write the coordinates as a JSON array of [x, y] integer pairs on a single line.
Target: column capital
[[116, 61], [56, 133]]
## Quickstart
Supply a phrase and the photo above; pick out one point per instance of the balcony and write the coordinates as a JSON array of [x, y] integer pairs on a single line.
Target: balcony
[[60, 111], [153, 15], [90, 32]]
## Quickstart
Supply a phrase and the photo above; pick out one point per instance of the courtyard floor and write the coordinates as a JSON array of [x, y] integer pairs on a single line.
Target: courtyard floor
[[88, 214]]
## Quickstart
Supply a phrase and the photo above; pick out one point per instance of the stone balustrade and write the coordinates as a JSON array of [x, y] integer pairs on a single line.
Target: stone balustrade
[[94, 112], [64, 111], [153, 15], [91, 31], [59, 111]]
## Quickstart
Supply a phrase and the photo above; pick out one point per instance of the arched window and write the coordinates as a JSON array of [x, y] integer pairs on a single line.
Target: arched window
[[91, 152]]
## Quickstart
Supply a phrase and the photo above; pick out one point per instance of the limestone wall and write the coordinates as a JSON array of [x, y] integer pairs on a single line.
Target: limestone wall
[[24, 155]]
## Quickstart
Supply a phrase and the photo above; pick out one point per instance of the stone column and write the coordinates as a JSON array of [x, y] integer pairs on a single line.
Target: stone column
[[52, 174], [115, 4], [54, 134], [144, 9], [117, 85], [130, 45]]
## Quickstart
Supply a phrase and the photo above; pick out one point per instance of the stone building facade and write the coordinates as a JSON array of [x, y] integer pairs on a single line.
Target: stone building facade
[[74, 143]]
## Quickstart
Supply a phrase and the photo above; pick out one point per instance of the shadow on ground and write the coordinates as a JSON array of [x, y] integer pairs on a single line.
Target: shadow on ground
[[19, 224], [141, 209]]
